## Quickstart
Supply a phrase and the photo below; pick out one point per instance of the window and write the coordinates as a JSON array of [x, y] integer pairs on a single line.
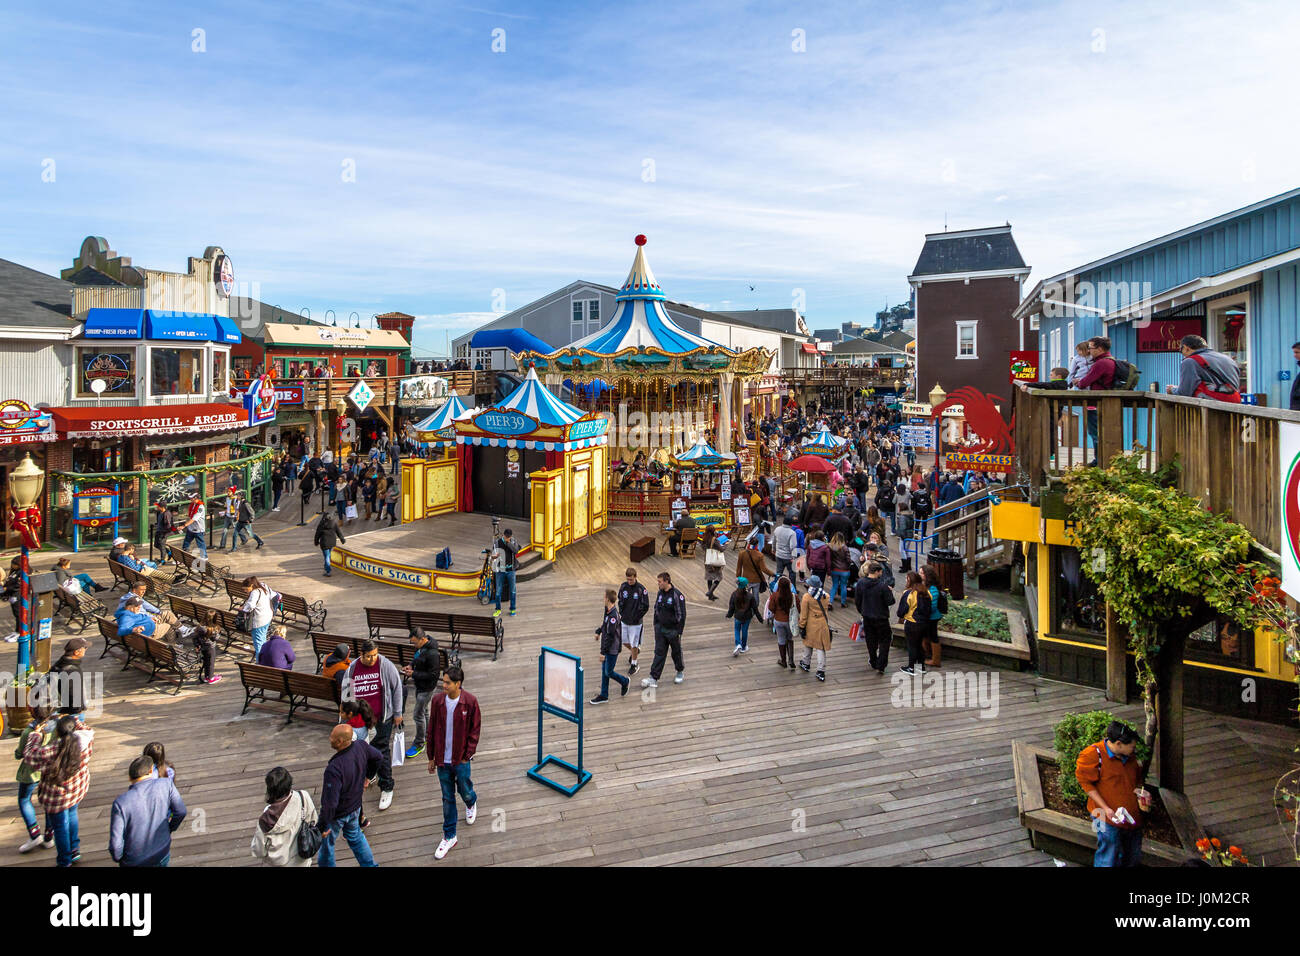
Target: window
[[1230, 333], [586, 317], [1069, 342], [577, 319], [966, 347], [1054, 349], [220, 367], [175, 372], [115, 369]]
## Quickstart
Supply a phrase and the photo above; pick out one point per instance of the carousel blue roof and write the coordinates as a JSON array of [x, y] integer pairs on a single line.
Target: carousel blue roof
[[704, 455], [640, 320], [532, 398], [516, 340]]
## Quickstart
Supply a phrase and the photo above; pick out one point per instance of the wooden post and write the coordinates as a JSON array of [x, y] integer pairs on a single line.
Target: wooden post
[[1116, 660], [1169, 713]]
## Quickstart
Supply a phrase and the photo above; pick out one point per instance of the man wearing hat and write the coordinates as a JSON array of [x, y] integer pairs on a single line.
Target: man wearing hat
[[196, 525], [66, 683]]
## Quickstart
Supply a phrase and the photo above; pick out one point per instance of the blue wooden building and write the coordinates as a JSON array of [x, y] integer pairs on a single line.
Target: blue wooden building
[[1233, 279]]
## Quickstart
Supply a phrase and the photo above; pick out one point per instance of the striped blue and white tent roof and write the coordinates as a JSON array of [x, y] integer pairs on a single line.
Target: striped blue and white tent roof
[[443, 417], [532, 399], [826, 445], [702, 455], [531, 443], [639, 319]]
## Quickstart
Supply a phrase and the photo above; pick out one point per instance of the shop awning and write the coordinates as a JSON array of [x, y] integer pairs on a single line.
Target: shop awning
[[810, 348], [114, 324], [189, 326], [127, 420]]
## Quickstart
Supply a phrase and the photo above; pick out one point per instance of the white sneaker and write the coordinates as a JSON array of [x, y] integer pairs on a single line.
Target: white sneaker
[[735, 651], [32, 844], [275, 509], [471, 814], [649, 682], [48, 844], [385, 799], [444, 848], [11, 638], [679, 678]]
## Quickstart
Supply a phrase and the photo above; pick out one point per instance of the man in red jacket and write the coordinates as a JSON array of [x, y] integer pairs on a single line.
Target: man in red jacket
[[1098, 379], [454, 724]]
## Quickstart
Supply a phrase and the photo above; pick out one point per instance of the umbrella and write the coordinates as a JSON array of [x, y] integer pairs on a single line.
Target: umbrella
[[812, 463]]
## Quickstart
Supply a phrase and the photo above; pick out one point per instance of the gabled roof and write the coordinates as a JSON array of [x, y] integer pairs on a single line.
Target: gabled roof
[[779, 320], [33, 300], [899, 339], [967, 252]]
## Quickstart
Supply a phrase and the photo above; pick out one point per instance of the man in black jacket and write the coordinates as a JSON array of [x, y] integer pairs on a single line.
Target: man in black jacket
[[633, 603], [837, 523], [670, 621], [328, 535], [874, 599], [610, 635], [346, 777], [424, 671]]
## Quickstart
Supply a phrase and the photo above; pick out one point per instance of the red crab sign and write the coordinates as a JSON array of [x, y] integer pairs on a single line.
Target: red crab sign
[[983, 418]]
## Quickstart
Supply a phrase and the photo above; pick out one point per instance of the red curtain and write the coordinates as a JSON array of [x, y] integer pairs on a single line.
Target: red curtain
[[554, 459], [466, 477]]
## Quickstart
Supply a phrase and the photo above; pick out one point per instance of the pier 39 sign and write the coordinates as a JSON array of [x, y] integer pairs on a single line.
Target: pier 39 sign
[[505, 423]]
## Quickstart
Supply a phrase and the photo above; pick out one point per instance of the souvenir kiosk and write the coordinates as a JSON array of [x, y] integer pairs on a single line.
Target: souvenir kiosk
[[701, 487], [535, 457], [429, 485]]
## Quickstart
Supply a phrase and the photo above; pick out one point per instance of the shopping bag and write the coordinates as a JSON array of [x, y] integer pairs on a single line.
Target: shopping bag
[[351, 512], [713, 558], [855, 631], [801, 563], [399, 747], [768, 613]]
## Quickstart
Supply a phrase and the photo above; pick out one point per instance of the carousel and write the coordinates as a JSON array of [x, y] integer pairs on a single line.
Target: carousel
[[682, 383], [438, 432], [823, 444], [702, 483]]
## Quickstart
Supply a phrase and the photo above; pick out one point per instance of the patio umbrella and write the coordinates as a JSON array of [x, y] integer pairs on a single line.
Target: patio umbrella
[[812, 463]]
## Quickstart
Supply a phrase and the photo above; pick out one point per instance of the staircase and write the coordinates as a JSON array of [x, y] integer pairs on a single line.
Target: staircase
[[963, 526]]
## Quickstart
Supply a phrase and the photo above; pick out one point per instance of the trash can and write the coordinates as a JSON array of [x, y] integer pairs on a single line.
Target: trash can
[[949, 566]]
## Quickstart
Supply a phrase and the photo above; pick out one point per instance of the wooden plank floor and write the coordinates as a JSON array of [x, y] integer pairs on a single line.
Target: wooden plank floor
[[743, 764]]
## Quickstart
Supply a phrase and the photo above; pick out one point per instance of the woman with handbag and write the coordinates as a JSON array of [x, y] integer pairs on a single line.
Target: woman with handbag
[[914, 612], [741, 609], [257, 608], [781, 602], [816, 626], [288, 822], [714, 561], [751, 566]]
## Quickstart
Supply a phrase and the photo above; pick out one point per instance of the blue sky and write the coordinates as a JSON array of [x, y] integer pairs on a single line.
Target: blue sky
[[1089, 126]]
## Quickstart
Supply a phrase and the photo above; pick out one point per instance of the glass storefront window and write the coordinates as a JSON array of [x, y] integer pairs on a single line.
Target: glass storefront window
[[109, 457], [220, 372], [115, 368], [176, 371]]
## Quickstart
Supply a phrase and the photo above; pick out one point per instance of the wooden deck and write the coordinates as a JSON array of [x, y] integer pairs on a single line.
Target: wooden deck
[[742, 764]]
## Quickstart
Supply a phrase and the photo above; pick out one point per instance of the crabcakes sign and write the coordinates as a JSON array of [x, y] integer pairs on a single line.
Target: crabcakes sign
[[1288, 440]]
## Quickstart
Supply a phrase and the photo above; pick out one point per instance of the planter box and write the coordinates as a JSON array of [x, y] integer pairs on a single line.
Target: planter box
[[982, 650], [1069, 838]]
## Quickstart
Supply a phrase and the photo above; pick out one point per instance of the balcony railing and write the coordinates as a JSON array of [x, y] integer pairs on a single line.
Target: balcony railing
[[325, 393], [1228, 454], [857, 376]]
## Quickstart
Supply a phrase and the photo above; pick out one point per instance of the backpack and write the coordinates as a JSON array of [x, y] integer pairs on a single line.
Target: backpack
[[443, 560], [1126, 377], [921, 503], [943, 601]]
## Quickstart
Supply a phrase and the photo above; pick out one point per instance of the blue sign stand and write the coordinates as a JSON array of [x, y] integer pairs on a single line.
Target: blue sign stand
[[543, 708]]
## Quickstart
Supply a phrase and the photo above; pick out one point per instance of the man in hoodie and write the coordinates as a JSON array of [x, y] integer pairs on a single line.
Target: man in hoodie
[[633, 603], [670, 621], [424, 671], [347, 775], [609, 634], [874, 598], [376, 680], [328, 535], [784, 542]]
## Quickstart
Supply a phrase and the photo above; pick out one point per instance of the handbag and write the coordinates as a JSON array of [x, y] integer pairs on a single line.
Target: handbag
[[351, 512], [855, 631], [713, 558], [399, 747], [241, 620], [309, 838]]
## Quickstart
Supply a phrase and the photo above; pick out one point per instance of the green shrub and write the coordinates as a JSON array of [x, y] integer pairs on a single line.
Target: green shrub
[[977, 620], [1073, 733]]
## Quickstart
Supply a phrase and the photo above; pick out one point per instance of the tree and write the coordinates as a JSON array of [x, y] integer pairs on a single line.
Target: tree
[[1165, 567], [893, 317]]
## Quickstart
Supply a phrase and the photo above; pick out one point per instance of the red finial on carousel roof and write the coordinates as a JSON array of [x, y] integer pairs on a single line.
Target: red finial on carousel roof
[[640, 240]]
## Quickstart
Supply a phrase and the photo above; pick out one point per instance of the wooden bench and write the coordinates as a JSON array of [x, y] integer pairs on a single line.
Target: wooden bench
[[147, 653], [293, 610], [202, 574], [485, 632], [108, 631], [158, 584], [81, 607], [118, 571], [642, 548], [296, 687], [213, 617], [400, 653]]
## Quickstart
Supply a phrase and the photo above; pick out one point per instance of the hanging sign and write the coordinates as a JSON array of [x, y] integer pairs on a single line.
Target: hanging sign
[[505, 422], [361, 395], [970, 461], [1165, 335], [19, 422], [1024, 366], [917, 436], [260, 401]]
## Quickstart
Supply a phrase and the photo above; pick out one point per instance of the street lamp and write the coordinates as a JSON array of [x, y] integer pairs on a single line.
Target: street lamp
[[25, 485], [937, 395]]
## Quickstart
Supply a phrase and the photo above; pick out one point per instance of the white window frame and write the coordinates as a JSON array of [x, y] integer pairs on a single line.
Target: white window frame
[[212, 373], [973, 325], [588, 307], [205, 387], [1070, 343], [1212, 330], [1054, 349]]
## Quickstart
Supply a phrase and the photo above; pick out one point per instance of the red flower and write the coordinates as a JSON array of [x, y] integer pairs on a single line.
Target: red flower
[[1214, 841]]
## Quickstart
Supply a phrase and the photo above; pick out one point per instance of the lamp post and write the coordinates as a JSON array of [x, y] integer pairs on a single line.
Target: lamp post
[[937, 395], [25, 485]]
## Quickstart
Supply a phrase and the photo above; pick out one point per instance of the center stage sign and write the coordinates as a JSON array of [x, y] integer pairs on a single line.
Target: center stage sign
[[966, 461], [399, 574]]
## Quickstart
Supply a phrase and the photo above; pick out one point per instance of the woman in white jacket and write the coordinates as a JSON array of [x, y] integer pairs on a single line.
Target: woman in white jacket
[[258, 608], [275, 838]]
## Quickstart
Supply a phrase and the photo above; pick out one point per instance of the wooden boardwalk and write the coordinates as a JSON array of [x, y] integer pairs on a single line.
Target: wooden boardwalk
[[742, 764]]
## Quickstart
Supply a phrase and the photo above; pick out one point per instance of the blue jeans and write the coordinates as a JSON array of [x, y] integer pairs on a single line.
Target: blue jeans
[[351, 827], [454, 779], [225, 529], [840, 586], [276, 503], [784, 566], [25, 791], [258, 634], [1118, 846], [502, 578], [607, 665], [242, 531], [325, 553], [741, 629], [67, 835], [190, 538], [341, 507]]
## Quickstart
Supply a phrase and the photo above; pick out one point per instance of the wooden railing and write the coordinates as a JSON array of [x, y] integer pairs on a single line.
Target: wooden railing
[[325, 393], [1228, 454], [855, 376]]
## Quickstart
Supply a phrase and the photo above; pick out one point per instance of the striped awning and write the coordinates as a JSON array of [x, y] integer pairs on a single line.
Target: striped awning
[[529, 443]]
